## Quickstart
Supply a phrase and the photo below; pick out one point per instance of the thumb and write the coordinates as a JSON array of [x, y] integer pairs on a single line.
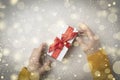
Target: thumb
[[80, 41], [82, 44], [46, 67]]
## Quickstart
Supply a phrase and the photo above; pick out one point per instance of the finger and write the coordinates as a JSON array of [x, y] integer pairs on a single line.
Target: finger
[[34, 52], [45, 67], [86, 30], [38, 51], [36, 55], [42, 48], [34, 58], [80, 41], [81, 33], [85, 27]]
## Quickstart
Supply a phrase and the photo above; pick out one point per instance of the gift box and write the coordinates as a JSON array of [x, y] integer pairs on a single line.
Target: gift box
[[62, 42]]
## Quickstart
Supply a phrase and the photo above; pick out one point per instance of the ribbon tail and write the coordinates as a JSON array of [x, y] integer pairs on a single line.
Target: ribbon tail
[[68, 45], [56, 53]]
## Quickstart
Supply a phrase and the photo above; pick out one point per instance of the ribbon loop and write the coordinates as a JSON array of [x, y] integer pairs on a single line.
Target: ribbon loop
[[58, 44]]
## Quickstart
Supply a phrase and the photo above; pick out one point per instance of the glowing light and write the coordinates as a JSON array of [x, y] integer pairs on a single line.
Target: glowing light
[[65, 61], [86, 67], [113, 78], [59, 78], [47, 79], [35, 76], [36, 8], [6, 64], [16, 25], [35, 40], [107, 70], [13, 77], [97, 73], [106, 65], [103, 4], [118, 52], [103, 13], [79, 55], [49, 42], [114, 3], [73, 7], [17, 57], [116, 67], [2, 77], [53, 64], [74, 16], [112, 17], [64, 68], [110, 76], [13, 2], [113, 10], [17, 67], [76, 43], [6, 52], [116, 36], [79, 61], [97, 21], [54, 13], [60, 23], [111, 50], [2, 25], [75, 75], [21, 5], [67, 3], [2, 6], [109, 5], [1, 55], [26, 63], [2, 15], [101, 27], [17, 43]]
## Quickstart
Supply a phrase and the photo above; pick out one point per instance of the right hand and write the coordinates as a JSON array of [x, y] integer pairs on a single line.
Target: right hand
[[92, 43]]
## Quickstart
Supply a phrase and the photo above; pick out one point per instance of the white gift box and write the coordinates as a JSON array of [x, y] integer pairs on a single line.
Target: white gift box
[[65, 49]]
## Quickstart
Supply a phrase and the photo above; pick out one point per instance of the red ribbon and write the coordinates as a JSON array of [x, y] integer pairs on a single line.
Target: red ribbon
[[58, 44]]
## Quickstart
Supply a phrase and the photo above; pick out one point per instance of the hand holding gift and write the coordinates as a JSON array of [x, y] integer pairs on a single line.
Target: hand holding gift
[[92, 43], [36, 66], [61, 44]]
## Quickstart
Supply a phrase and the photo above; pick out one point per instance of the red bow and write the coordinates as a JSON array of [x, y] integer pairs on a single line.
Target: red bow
[[58, 44]]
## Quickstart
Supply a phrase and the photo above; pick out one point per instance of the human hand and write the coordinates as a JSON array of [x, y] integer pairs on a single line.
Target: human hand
[[87, 40], [36, 60]]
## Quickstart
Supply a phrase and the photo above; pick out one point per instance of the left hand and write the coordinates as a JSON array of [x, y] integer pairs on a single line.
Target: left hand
[[36, 60]]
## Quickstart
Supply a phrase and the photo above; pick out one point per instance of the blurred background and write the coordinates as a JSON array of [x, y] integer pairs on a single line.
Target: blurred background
[[24, 24]]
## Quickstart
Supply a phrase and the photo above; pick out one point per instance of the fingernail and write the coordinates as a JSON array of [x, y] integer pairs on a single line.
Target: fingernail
[[82, 26]]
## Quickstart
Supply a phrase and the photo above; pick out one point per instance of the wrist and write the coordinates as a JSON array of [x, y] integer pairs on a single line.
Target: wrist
[[93, 50], [34, 75]]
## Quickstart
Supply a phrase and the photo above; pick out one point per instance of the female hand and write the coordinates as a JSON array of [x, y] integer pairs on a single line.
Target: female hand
[[36, 60], [87, 40]]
